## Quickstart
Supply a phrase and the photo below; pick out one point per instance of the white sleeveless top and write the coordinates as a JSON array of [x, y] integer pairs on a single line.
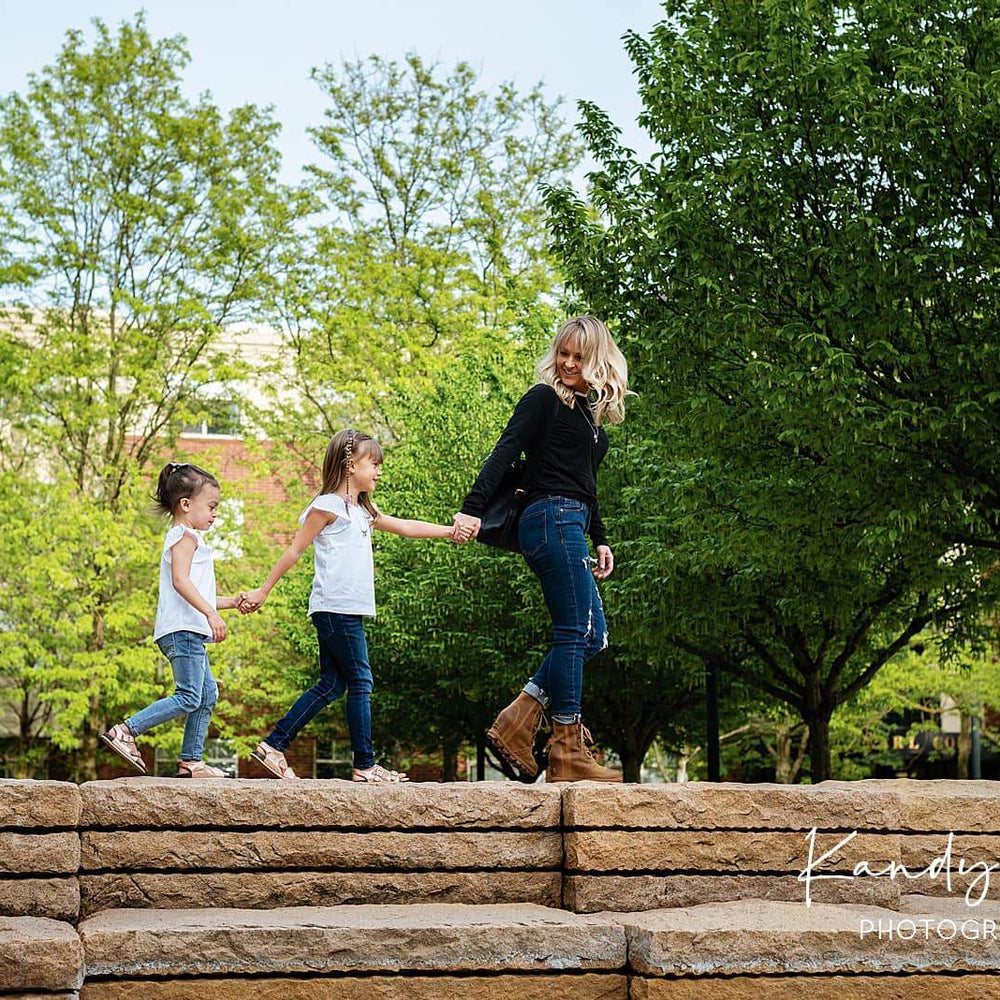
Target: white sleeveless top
[[344, 578], [173, 613]]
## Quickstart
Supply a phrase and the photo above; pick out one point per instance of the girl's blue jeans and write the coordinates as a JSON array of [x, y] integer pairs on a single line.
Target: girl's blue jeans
[[195, 695], [343, 666], [552, 535]]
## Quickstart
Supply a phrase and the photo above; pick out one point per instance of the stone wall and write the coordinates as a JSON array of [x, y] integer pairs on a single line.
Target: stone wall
[[251, 888]]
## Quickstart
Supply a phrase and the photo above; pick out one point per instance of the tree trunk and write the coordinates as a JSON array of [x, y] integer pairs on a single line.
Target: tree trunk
[[783, 755], [449, 762], [480, 757], [819, 747], [632, 767], [963, 755], [86, 756], [682, 768]]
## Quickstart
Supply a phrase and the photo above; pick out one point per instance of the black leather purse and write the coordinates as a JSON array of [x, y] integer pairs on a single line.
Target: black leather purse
[[498, 524], [498, 527]]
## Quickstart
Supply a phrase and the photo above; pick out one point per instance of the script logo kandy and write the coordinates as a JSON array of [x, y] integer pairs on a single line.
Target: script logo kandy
[[941, 865]]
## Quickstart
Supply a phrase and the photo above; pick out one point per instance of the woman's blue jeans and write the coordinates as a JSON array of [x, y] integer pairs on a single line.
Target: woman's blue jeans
[[552, 535], [343, 666], [195, 696]]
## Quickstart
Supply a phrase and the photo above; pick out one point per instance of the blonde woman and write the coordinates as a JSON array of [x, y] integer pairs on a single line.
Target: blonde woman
[[558, 425]]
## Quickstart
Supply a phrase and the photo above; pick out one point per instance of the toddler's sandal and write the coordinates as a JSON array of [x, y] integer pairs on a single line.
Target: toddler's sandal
[[377, 774], [198, 769], [272, 760], [120, 740]]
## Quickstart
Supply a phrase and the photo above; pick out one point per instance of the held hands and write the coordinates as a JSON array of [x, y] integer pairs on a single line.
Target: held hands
[[466, 528], [250, 601]]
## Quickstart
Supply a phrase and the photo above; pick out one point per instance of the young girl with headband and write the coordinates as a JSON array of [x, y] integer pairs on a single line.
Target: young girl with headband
[[338, 524], [187, 617]]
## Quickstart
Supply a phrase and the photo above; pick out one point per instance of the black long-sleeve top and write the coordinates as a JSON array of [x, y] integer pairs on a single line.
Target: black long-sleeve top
[[560, 452]]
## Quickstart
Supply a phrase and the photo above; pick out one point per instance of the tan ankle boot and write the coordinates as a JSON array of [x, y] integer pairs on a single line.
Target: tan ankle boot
[[570, 758], [513, 733]]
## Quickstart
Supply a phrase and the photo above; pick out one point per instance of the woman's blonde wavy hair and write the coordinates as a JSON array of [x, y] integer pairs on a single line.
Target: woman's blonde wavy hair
[[604, 368]]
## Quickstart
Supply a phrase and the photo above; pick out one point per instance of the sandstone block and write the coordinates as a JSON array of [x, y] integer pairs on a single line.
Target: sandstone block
[[761, 938], [732, 851], [266, 890], [944, 805], [384, 850], [920, 987], [164, 803], [731, 806], [442, 938], [47, 805], [58, 898], [632, 893], [530, 986], [39, 954], [40, 852]]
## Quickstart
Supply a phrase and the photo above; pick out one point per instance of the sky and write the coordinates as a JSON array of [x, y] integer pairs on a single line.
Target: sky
[[262, 53]]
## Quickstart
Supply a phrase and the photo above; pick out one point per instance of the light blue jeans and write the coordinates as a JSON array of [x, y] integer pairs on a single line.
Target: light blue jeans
[[195, 696]]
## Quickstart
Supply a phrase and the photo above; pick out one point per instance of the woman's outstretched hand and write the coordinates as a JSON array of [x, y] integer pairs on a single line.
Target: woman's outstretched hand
[[250, 601], [605, 563], [466, 528]]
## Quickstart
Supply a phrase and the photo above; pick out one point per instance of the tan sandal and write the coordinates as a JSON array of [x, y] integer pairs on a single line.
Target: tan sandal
[[273, 760], [377, 774], [198, 769], [119, 739]]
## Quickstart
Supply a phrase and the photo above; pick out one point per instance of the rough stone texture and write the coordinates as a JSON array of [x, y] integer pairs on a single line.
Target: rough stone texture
[[975, 886], [39, 954], [920, 987], [530, 986], [50, 805], [953, 907], [165, 803], [382, 850], [74, 995], [757, 937], [917, 850], [730, 806], [942, 805], [631, 893], [58, 898], [349, 939], [685, 850], [40, 852], [266, 890]]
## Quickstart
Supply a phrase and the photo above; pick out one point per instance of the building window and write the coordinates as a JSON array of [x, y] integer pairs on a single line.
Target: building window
[[215, 417], [218, 753]]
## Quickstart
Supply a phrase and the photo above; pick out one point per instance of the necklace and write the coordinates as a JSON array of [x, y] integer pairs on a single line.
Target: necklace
[[588, 416], [363, 525]]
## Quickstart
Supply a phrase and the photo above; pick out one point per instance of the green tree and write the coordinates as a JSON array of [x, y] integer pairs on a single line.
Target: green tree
[[139, 223], [432, 232], [807, 321]]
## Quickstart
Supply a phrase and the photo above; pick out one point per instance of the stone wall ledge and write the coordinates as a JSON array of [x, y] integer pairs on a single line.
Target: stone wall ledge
[[731, 806], [252, 803], [766, 938], [39, 954], [380, 850], [46, 805], [268, 890], [412, 938], [524, 986]]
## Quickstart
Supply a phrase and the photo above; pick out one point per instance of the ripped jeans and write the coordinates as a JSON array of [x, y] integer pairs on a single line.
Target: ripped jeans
[[552, 536]]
